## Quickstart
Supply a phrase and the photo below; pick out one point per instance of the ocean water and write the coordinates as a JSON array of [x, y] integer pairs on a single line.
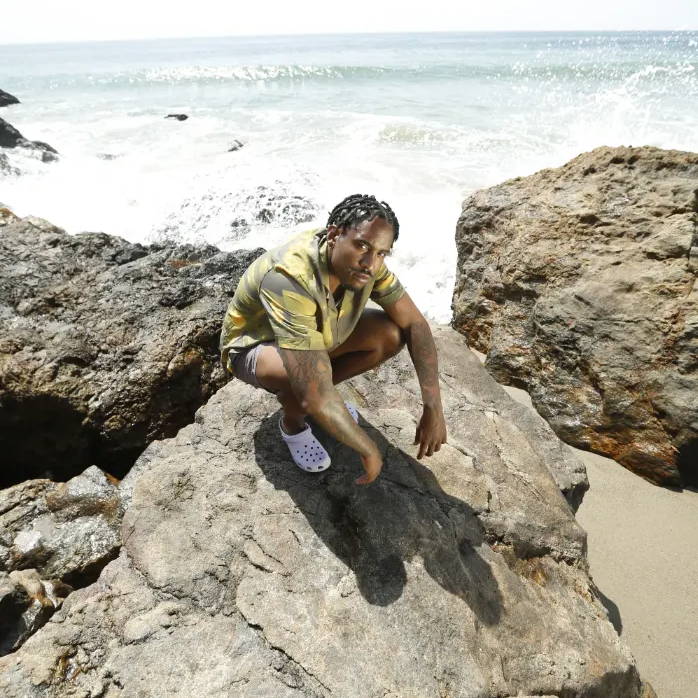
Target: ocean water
[[419, 120]]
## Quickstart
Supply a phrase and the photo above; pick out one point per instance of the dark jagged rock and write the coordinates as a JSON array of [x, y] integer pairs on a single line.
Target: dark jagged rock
[[235, 145], [10, 137], [6, 99], [579, 283], [269, 207], [242, 575], [178, 117], [263, 204], [105, 345]]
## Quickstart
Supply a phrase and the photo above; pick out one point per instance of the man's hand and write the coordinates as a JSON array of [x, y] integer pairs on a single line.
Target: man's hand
[[310, 375], [431, 432], [372, 465]]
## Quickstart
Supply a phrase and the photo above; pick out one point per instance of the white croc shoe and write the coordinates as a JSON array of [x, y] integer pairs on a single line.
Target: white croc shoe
[[352, 411], [307, 452]]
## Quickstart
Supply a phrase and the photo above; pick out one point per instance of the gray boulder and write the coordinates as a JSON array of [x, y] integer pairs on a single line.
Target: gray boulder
[[242, 575], [105, 345], [63, 530], [579, 285], [10, 137], [26, 604], [54, 537], [6, 99]]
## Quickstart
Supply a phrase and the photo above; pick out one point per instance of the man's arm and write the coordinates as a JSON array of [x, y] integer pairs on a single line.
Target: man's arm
[[431, 431], [310, 375]]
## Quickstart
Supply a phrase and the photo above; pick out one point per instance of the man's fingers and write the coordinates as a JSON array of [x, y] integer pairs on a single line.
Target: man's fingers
[[365, 479]]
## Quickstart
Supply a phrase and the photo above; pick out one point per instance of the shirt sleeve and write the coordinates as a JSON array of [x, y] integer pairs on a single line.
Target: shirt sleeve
[[292, 312], [387, 288]]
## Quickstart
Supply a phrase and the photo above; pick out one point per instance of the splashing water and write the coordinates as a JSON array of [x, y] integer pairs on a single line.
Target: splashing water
[[419, 120]]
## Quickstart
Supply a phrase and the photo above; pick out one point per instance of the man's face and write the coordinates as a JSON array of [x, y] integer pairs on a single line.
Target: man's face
[[356, 254]]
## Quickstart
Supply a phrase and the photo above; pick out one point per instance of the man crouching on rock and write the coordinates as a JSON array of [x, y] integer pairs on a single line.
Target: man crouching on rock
[[298, 325]]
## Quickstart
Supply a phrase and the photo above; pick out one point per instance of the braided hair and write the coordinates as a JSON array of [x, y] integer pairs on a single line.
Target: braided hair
[[357, 208]]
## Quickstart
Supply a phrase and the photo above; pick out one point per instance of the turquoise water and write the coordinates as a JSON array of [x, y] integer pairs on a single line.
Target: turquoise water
[[419, 119]]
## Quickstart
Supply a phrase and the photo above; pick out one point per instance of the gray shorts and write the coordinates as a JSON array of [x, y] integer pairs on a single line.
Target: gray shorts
[[244, 365]]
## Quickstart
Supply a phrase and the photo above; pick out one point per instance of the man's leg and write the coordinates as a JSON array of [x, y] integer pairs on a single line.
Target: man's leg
[[374, 339]]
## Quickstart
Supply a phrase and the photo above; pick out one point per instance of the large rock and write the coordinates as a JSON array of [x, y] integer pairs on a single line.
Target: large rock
[[242, 575], [6, 99], [26, 603], [104, 345], [10, 137], [64, 530], [579, 285], [54, 537]]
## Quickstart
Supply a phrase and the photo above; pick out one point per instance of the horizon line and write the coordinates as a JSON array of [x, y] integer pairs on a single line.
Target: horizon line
[[345, 33]]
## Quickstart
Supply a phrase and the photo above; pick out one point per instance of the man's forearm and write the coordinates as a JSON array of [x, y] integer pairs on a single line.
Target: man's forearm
[[420, 344], [310, 376]]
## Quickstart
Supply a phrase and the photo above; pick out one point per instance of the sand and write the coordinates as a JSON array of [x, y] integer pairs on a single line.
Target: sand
[[643, 554]]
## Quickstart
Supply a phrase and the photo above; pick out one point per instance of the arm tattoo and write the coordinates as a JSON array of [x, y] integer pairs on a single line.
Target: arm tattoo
[[420, 344], [310, 376]]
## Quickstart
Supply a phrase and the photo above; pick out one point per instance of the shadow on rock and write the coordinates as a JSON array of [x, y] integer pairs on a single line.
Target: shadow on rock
[[402, 517], [612, 610]]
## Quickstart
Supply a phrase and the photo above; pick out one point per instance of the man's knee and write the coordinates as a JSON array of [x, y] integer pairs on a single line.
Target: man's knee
[[393, 339]]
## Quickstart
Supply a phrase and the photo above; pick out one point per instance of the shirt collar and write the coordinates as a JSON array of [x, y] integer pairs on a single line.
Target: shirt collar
[[323, 262]]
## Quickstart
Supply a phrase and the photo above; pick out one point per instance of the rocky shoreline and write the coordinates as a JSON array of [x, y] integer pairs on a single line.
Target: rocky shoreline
[[209, 566]]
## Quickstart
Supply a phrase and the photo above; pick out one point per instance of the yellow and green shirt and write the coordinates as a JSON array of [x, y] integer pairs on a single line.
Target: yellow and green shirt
[[284, 297]]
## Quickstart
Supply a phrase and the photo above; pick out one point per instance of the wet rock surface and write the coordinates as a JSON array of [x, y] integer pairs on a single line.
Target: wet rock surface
[[6, 99], [242, 575], [10, 137], [238, 212], [579, 283], [105, 345]]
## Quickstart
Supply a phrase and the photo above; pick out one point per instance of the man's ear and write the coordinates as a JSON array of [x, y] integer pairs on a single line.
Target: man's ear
[[332, 232]]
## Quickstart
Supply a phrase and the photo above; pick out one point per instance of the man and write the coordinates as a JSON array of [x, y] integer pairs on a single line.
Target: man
[[298, 325]]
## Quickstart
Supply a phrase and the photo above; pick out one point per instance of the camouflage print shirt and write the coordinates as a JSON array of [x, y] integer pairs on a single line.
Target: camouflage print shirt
[[284, 297]]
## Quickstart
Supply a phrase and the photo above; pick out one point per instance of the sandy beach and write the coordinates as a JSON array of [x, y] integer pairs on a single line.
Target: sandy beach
[[642, 554]]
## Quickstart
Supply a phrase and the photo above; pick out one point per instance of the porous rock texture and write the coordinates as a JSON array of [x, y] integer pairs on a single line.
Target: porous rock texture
[[242, 575], [579, 283], [54, 536], [64, 530], [105, 345], [26, 602]]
